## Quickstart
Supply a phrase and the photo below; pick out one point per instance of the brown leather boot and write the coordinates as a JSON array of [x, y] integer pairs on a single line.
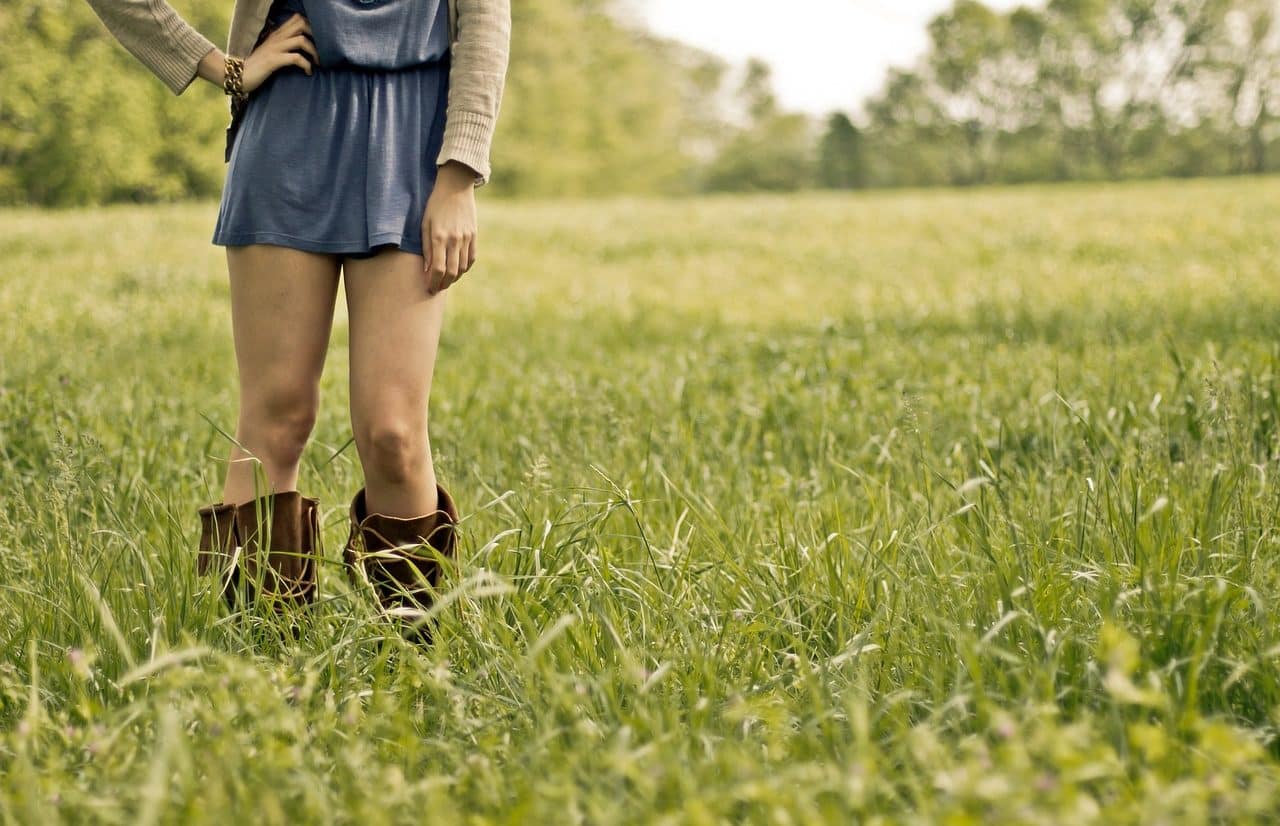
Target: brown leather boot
[[218, 547], [230, 547], [387, 552], [292, 525]]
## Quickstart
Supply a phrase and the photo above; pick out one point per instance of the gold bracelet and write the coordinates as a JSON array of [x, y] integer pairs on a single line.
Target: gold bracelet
[[233, 82]]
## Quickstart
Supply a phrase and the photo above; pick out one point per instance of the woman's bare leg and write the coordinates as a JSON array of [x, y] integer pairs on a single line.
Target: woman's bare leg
[[282, 303], [395, 331]]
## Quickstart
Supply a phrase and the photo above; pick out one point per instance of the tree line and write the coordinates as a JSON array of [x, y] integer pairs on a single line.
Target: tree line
[[1076, 89]]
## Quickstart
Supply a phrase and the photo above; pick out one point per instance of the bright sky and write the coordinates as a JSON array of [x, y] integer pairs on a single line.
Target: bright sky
[[825, 54]]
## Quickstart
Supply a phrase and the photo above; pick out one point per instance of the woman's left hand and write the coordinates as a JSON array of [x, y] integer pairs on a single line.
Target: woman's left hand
[[449, 226]]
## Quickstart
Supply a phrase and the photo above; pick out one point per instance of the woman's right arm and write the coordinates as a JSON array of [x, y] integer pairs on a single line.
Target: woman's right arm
[[176, 53], [157, 36]]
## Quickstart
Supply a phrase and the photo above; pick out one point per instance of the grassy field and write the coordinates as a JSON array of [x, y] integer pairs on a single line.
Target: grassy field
[[950, 507]]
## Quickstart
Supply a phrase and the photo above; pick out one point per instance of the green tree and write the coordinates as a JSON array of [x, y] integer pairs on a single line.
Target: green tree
[[592, 106], [1083, 89], [81, 122], [842, 163], [773, 150]]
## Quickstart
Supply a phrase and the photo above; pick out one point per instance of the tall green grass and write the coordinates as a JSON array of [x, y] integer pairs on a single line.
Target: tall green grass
[[956, 507]]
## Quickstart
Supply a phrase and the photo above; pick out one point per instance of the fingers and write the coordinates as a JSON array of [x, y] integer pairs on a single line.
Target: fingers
[[295, 24], [426, 251], [471, 255], [295, 59], [448, 257], [301, 41], [293, 34], [456, 250], [288, 44], [437, 273]]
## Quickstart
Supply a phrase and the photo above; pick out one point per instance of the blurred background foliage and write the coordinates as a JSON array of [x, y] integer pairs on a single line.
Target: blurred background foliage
[[1070, 90]]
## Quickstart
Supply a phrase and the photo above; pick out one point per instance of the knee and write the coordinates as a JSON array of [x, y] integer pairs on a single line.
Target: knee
[[279, 424], [395, 451]]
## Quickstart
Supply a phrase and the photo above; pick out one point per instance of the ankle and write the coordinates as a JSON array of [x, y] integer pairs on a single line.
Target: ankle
[[401, 501], [237, 495]]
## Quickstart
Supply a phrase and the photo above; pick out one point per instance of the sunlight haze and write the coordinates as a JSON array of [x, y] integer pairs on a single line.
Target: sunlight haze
[[825, 54]]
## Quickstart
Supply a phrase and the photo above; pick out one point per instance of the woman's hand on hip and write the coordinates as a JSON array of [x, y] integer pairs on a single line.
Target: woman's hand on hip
[[287, 45], [449, 226]]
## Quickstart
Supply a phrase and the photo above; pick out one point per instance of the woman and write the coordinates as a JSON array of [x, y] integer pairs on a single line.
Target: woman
[[360, 130]]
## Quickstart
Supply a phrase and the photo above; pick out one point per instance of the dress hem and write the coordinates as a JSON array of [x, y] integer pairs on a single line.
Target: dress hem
[[363, 247]]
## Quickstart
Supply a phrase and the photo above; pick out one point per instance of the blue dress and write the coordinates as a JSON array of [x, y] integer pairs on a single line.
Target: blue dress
[[342, 161]]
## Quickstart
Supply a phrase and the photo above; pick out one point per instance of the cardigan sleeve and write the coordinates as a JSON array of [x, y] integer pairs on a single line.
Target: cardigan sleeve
[[477, 74], [156, 35]]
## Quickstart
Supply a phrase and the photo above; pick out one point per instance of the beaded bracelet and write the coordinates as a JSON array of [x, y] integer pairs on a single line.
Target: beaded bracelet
[[233, 83]]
